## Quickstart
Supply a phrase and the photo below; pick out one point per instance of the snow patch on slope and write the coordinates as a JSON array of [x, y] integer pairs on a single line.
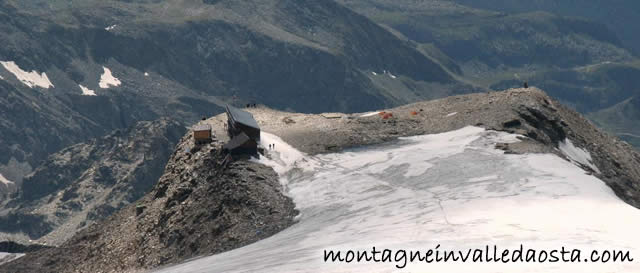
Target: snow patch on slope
[[86, 91], [388, 73], [283, 157], [4, 180], [576, 154], [107, 79], [7, 257], [110, 28], [370, 114], [30, 79]]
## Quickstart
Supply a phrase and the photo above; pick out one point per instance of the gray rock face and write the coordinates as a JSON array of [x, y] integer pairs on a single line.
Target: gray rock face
[[88, 182]]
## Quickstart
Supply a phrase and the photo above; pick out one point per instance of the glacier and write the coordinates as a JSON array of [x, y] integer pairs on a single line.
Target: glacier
[[453, 190]]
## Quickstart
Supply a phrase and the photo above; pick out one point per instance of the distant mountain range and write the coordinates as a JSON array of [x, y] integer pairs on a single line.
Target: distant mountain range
[[148, 59], [583, 53], [620, 16]]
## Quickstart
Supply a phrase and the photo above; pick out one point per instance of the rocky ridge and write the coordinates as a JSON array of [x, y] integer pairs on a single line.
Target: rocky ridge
[[197, 208], [542, 121], [202, 204]]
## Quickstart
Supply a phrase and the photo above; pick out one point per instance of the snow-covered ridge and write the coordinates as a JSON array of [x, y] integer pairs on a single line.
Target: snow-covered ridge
[[31, 79], [107, 79], [454, 189], [86, 91]]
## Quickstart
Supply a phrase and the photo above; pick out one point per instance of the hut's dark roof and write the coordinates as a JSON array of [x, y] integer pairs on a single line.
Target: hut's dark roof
[[236, 141], [243, 117]]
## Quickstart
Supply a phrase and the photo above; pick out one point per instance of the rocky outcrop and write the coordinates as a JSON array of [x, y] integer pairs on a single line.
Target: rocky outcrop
[[201, 205], [88, 182]]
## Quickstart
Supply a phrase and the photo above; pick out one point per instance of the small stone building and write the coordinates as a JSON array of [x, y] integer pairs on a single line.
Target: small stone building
[[202, 134]]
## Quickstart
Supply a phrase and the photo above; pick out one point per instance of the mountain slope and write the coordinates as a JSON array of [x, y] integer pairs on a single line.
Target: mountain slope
[[201, 205], [147, 59], [481, 40], [588, 88], [620, 16], [622, 118], [87, 182], [153, 227], [232, 48], [586, 62]]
